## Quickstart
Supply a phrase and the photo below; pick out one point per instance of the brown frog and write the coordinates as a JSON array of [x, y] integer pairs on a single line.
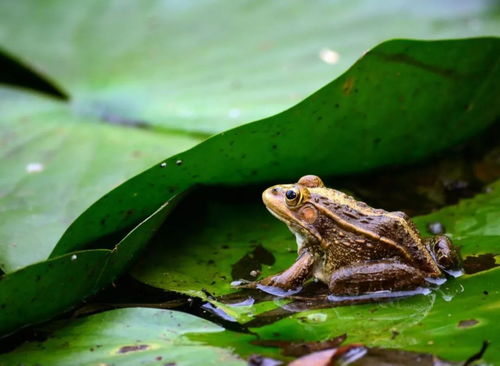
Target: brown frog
[[350, 246]]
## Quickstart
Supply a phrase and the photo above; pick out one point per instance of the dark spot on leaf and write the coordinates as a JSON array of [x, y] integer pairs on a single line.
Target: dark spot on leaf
[[159, 358], [275, 147], [337, 105], [297, 349], [138, 347], [377, 140], [320, 118], [252, 261], [482, 262], [348, 86], [486, 292], [467, 323]]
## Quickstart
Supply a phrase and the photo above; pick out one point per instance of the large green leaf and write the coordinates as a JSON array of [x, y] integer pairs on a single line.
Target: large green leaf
[[42, 290], [209, 65], [373, 115], [55, 164], [203, 264], [127, 337]]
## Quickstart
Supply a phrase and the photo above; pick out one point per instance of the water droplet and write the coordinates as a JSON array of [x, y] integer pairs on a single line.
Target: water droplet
[[34, 167], [329, 56], [234, 113], [254, 273], [178, 162], [316, 318], [447, 298], [73, 257], [163, 165]]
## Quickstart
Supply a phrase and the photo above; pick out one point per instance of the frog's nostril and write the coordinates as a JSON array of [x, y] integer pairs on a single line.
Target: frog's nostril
[[274, 191]]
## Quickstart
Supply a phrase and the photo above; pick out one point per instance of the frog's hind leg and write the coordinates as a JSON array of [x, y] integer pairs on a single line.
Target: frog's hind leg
[[444, 252], [375, 276]]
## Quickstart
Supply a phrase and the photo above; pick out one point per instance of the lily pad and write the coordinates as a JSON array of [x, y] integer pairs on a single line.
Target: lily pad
[[42, 290], [207, 66], [55, 164], [452, 321], [127, 337], [428, 85]]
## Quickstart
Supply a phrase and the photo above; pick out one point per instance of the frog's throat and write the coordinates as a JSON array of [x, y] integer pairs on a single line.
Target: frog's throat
[[301, 233]]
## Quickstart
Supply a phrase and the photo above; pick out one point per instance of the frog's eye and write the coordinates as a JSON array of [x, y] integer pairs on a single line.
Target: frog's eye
[[292, 197]]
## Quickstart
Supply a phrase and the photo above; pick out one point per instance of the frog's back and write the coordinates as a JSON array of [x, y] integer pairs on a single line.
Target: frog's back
[[366, 233]]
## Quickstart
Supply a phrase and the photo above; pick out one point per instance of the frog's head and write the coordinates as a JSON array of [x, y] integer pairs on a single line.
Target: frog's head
[[293, 204]]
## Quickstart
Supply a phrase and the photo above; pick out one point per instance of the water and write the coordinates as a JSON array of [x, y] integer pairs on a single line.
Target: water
[[380, 295]]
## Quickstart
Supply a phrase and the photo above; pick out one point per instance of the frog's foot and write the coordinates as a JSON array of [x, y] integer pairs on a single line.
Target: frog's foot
[[375, 276], [444, 252], [289, 279], [279, 280]]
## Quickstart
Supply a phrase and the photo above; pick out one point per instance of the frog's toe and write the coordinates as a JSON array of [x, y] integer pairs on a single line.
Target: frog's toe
[[445, 253]]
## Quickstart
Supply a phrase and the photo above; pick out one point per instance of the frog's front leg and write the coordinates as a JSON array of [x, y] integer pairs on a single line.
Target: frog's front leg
[[291, 278], [374, 276], [444, 252]]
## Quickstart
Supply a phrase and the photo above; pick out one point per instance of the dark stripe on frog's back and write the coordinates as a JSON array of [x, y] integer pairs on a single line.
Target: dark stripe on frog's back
[[383, 230]]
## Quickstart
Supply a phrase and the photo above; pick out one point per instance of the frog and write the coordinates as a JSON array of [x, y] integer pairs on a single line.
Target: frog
[[353, 248]]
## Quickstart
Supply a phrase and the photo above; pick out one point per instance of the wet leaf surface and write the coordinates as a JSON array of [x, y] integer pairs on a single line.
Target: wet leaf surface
[[126, 337]]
